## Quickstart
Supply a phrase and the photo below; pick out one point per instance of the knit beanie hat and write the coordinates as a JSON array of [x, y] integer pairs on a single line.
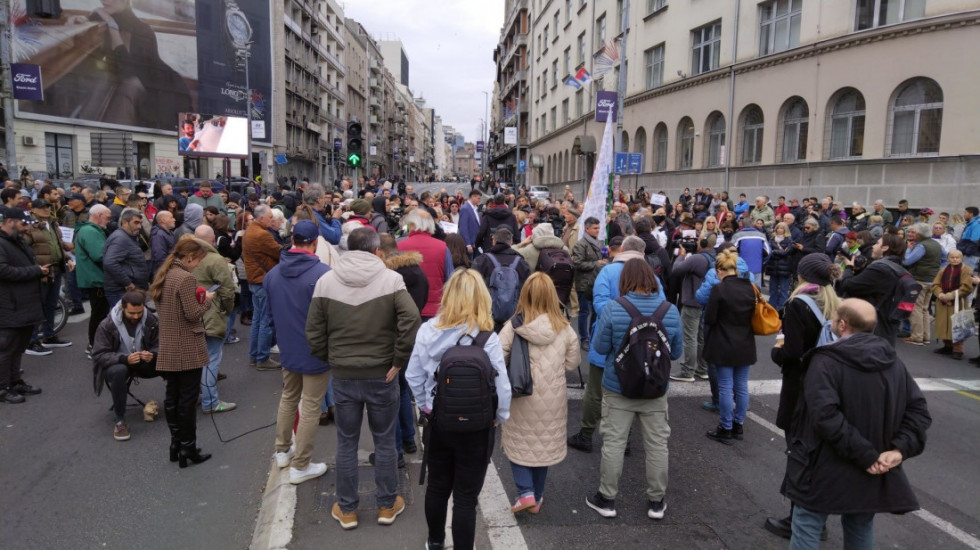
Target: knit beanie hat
[[818, 269]]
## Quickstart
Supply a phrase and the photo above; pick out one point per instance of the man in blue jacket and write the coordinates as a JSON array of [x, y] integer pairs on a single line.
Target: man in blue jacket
[[469, 220], [289, 286], [753, 247], [969, 243]]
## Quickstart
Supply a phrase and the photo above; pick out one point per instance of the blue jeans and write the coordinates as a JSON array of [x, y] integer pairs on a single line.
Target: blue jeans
[[732, 379], [778, 290], [405, 427], [113, 297], [381, 400], [230, 323], [529, 480], [584, 314], [50, 294], [209, 375], [261, 335], [328, 397], [859, 533]]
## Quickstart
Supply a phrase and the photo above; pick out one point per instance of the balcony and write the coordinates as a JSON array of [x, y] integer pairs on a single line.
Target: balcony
[[374, 120], [375, 103], [519, 41], [512, 18], [514, 79], [375, 83], [375, 65]]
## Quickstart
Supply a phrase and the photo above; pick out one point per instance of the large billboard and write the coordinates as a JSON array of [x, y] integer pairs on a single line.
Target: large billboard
[[212, 136], [136, 64]]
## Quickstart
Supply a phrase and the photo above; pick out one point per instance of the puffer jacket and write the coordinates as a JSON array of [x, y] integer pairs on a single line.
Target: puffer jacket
[[781, 262], [437, 263], [535, 434], [542, 238], [611, 329], [45, 239], [123, 262], [215, 270]]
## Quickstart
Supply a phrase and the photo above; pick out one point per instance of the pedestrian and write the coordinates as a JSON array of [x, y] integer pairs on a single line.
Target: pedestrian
[[20, 302], [44, 237], [922, 260], [457, 249], [193, 217], [753, 247], [122, 259], [499, 214], [688, 272], [213, 272], [360, 297], [457, 462], [305, 378], [729, 344], [90, 238], [512, 271], [638, 286], [952, 283], [260, 253], [162, 239], [183, 351], [800, 334], [876, 283], [534, 437], [780, 265], [587, 257], [437, 261], [862, 415]]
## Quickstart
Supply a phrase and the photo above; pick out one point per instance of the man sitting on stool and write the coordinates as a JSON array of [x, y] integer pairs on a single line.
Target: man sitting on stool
[[125, 346]]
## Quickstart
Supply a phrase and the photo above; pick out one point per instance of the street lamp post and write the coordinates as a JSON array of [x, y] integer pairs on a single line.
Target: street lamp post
[[486, 141]]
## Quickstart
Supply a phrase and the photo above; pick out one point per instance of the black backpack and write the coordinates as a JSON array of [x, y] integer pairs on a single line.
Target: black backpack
[[898, 306], [465, 398], [642, 361], [557, 264], [654, 262]]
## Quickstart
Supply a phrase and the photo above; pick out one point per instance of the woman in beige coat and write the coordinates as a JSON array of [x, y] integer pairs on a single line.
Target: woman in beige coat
[[534, 437], [183, 351], [954, 282]]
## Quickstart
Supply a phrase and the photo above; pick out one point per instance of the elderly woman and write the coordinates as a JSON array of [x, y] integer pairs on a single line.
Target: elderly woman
[[954, 282]]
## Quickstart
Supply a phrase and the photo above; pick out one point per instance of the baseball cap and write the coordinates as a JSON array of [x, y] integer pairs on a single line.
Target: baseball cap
[[305, 232], [40, 203], [16, 214], [75, 197]]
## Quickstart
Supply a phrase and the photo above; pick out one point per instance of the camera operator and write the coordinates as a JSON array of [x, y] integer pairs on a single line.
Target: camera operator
[[694, 259]]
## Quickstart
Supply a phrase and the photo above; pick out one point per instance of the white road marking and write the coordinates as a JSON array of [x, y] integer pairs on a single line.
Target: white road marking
[[502, 528]]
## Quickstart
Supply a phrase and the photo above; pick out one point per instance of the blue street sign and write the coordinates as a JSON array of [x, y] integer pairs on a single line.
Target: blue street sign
[[621, 163], [628, 163], [636, 163], [337, 144], [280, 159], [521, 166]]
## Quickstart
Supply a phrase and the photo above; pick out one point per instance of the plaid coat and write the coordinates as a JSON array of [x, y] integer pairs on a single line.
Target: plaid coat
[[182, 340]]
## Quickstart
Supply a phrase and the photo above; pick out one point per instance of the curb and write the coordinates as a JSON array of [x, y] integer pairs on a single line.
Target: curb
[[274, 525]]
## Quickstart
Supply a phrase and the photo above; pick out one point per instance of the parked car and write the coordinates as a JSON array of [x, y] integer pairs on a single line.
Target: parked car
[[539, 192]]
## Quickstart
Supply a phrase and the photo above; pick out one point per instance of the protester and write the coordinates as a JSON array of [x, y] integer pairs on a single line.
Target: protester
[[205, 197], [437, 261], [534, 437], [457, 462], [922, 260], [213, 271], [753, 247], [687, 275], [494, 217], [90, 238], [457, 249], [876, 283], [123, 263], [862, 415], [44, 237], [587, 259], [183, 351], [954, 282], [162, 239], [260, 253]]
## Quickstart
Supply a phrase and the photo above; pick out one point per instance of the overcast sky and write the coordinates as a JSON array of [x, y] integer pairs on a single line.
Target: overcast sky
[[449, 44]]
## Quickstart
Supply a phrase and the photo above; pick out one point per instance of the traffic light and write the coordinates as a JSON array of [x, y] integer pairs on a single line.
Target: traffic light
[[354, 149]]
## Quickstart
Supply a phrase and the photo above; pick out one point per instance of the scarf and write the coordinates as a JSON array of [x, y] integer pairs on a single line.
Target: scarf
[[951, 278], [592, 240]]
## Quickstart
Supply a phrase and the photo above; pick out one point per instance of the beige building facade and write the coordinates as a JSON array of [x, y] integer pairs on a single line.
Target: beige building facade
[[824, 97]]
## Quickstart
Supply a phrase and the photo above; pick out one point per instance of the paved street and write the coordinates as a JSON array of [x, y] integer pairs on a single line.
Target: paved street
[[70, 485]]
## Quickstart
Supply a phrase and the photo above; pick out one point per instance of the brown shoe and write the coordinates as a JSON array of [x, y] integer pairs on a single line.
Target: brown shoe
[[348, 520], [120, 432], [386, 516]]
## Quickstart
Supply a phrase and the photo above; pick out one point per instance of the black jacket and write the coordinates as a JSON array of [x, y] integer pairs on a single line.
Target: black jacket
[[858, 401], [728, 336], [812, 243], [20, 284], [875, 283], [107, 349], [123, 263], [802, 330], [686, 277], [653, 248], [504, 254], [492, 219], [407, 264], [781, 262]]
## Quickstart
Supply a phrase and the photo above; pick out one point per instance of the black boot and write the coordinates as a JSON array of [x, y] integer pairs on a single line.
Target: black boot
[[721, 435], [737, 431], [171, 414], [782, 527], [189, 451]]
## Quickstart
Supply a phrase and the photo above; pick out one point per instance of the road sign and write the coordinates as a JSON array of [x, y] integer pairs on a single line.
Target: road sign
[[521, 166], [338, 144], [479, 147], [628, 163], [280, 159], [636, 163], [621, 164]]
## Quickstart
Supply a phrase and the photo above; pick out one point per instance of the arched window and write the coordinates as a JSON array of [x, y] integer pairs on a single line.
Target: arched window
[[715, 128], [752, 135], [626, 141], [847, 125], [796, 127], [660, 147], [640, 140], [685, 151], [917, 118]]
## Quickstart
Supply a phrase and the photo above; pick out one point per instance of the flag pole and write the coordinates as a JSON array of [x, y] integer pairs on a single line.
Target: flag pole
[[621, 85]]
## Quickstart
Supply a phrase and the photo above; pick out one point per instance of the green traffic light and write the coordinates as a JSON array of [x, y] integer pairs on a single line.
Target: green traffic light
[[354, 159]]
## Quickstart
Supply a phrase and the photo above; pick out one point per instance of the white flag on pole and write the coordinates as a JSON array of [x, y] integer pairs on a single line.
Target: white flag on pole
[[596, 200]]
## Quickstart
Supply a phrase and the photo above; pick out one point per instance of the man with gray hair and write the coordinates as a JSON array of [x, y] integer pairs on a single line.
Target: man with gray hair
[[213, 271], [361, 296], [922, 258], [437, 261], [123, 262], [885, 214], [327, 215], [260, 253]]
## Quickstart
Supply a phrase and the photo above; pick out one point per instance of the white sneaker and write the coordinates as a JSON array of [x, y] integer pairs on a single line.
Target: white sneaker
[[283, 459], [274, 349], [313, 470]]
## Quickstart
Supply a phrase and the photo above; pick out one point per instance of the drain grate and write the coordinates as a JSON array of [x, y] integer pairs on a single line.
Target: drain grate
[[326, 489]]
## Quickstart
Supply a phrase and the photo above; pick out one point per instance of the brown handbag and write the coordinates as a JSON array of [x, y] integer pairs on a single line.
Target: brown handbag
[[765, 318]]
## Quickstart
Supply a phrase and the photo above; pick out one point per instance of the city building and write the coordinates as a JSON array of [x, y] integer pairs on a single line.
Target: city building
[[396, 60], [510, 105], [861, 100]]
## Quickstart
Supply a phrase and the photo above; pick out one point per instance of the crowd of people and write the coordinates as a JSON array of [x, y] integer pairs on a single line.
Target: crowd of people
[[505, 293]]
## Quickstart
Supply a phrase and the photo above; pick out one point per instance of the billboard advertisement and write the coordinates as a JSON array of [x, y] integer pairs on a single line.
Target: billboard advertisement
[[212, 136], [136, 64]]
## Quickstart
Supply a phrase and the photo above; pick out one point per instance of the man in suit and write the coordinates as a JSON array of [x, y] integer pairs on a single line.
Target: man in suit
[[469, 220]]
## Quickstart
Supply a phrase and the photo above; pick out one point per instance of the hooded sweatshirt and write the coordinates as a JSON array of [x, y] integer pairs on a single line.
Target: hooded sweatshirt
[[193, 217], [542, 237], [358, 302], [289, 287], [492, 219]]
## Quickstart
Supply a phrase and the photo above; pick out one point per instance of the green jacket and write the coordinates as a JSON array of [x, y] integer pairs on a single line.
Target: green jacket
[[89, 240], [215, 270]]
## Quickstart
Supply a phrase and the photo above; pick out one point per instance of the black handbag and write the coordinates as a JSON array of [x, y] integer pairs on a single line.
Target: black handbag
[[519, 366]]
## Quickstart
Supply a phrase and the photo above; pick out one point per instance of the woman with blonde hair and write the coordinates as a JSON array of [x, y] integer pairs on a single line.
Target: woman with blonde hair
[[801, 330], [457, 462], [183, 351], [953, 282], [711, 231], [534, 437]]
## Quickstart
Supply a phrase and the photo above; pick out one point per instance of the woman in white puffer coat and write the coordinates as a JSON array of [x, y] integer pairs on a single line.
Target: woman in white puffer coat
[[534, 437]]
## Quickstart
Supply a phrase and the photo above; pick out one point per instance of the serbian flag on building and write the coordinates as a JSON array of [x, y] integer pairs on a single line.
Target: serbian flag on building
[[583, 76], [573, 82], [596, 201]]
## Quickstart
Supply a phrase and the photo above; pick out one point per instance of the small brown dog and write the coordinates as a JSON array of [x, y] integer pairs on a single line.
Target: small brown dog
[[151, 410]]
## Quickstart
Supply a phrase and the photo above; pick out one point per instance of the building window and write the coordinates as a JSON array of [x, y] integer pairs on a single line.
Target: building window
[[537, 85], [554, 118], [653, 64], [716, 139], [581, 48], [554, 73], [847, 126], [600, 31], [686, 150], [780, 25], [619, 16], [557, 27], [796, 125], [564, 112], [545, 39], [640, 140], [567, 60], [917, 118], [660, 146], [752, 135], [59, 156], [544, 83], [568, 11], [654, 5], [875, 13], [579, 101], [707, 48]]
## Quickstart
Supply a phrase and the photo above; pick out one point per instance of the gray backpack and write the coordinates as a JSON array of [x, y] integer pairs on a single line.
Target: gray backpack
[[827, 336], [504, 289]]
